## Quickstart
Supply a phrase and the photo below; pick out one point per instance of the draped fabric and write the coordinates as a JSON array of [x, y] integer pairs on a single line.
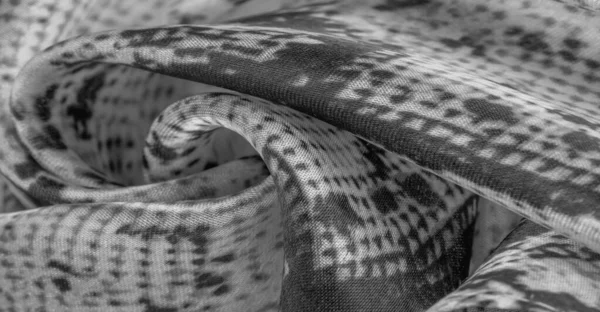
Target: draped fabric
[[300, 155]]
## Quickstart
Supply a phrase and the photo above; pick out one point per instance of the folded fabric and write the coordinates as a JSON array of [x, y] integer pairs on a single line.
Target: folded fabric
[[285, 155]]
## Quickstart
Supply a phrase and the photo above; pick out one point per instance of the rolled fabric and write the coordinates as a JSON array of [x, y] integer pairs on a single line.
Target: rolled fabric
[[273, 155]]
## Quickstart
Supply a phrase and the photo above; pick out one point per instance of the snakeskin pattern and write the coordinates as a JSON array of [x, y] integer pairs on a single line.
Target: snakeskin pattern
[[279, 155]]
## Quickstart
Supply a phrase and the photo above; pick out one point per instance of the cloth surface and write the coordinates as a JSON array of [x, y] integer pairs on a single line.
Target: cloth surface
[[285, 155]]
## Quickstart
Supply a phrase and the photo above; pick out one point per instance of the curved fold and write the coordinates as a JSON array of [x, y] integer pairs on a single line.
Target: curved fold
[[531, 262], [478, 138], [325, 156]]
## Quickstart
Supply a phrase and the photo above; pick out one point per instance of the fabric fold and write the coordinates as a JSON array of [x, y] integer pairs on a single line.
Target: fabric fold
[[314, 155], [332, 77], [533, 262]]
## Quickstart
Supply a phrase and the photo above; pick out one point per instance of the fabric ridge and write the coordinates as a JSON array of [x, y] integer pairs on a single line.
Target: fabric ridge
[[300, 155]]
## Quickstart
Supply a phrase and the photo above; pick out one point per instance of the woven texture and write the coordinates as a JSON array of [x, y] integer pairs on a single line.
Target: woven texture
[[300, 155]]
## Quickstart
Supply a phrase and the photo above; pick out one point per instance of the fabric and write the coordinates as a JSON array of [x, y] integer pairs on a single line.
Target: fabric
[[287, 155]]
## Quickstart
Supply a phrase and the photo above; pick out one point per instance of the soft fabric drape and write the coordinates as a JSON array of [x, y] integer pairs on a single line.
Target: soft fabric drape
[[285, 155]]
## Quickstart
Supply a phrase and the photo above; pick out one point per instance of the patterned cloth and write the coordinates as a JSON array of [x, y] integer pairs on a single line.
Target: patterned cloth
[[300, 155]]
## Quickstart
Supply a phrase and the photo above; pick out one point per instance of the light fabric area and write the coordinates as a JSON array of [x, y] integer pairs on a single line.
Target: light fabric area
[[280, 155]]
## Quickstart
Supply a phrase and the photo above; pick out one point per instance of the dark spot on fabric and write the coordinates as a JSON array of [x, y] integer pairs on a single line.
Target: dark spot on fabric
[[46, 187], [499, 15], [260, 277], [483, 110], [176, 172], [590, 77], [224, 258], [548, 145], [567, 56], [115, 303], [221, 290], [148, 37], [404, 95], [268, 43], [81, 112], [445, 96], [535, 129], [451, 112], [55, 264], [335, 209], [478, 50], [572, 43], [480, 8], [428, 104], [549, 21], [154, 308], [42, 106], [451, 43], [571, 8], [161, 151], [88, 45], [592, 64], [384, 199], [192, 18], [580, 141], [513, 31], [27, 169], [467, 40], [383, 74], [145, 162], [493, 132], [566, 70], [14, 110], [417, 188], [391, 5], [364, 92], [62, 284], [533, 42], [206, 280], [373, 154], [140, 60], [101, 37], [8, 235], [197, 236], [50, 139]]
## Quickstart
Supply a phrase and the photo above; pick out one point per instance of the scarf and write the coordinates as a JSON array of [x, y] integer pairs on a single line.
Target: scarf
[[300, 155]]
